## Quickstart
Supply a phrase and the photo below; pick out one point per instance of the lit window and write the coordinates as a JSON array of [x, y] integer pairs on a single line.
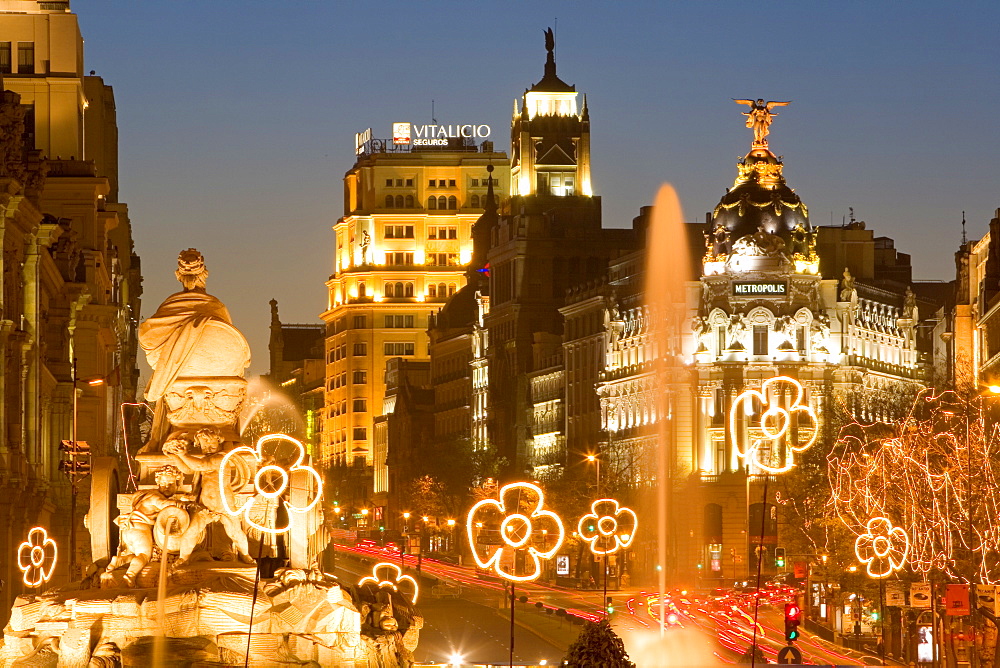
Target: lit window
[[360, 377], [360, 406], [387, 291], [25, 57], [760, 339], [452, 232], [432, 291]]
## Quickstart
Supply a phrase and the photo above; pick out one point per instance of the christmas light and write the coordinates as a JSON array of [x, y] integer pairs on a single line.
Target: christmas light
[[32, 555], [270, 491], [883, 548], [773, 425], [516, 529], [612, 524], [394, 577]]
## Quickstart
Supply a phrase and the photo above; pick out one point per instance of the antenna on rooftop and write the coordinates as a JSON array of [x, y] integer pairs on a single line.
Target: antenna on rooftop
[[965, 239], [433, 119]]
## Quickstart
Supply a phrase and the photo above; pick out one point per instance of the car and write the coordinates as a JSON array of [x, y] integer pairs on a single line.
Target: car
[[391, 547], [367, 544]]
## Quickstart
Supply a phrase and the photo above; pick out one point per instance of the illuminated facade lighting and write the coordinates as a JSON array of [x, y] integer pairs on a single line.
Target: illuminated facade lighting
[[389, 575], [883, 548], [765, 424]]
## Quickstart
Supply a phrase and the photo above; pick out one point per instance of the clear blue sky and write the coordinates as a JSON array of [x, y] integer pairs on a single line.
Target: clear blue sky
[[237, 119]]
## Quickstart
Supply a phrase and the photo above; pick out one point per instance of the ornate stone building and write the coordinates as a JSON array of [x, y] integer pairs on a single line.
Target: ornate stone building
[[71, 280]]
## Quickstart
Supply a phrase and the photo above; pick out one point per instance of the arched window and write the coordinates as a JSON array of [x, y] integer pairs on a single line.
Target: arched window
[[399, 289], [361, 290], [432, 291], [442, 290], [442, 202], [432, 202], [399, 201], [451, 289], [452, 202], [388, 201], [409, 201], [475, 201], [388, 290], [409, 290]]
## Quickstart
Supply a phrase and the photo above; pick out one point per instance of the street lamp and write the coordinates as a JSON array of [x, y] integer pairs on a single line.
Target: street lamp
[[594, 459], [406, 537]]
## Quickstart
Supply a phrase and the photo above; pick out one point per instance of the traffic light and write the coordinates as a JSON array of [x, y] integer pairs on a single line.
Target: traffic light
[[779, 557], [609, 605], [77, 462], [793, 617]]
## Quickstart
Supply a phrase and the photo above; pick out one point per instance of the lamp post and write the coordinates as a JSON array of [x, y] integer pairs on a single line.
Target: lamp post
[[595, 459], [406, 538], [333, 540]]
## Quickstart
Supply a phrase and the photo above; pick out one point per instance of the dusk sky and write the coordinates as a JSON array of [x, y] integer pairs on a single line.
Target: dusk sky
[[237, 119]]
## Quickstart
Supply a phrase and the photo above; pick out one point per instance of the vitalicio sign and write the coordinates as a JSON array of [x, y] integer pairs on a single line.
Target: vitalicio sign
[[436, 135]]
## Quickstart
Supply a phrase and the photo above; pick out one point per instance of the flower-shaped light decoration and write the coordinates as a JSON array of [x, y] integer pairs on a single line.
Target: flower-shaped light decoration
[[608, 527], [271, 481], [386, 574], [883, 548], [519, 517], [36, 557], [773, 415]]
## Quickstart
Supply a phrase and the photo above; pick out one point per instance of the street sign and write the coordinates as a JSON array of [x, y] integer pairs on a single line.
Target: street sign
[[790, 656], [957, 600], [986, 597], [895, 594], [562, 564], [920, 594], [800, 569]]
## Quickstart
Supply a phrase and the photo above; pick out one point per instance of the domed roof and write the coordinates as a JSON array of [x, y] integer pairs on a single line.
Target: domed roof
[[760, 197]]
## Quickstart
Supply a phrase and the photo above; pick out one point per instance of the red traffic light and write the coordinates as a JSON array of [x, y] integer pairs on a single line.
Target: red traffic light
[[792, 612]]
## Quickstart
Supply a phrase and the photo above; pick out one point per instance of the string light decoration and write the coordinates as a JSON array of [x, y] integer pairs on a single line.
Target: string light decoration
[[883, 548], [521, 520], [608, 527], [770, 425], [389, 575], [932, 477], [33, 555], [270, 482]]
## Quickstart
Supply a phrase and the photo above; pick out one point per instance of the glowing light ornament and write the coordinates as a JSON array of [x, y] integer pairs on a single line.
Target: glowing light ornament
[[33, 554], [608, 527], [883, 548], [386, 574], [270, 482], [936, 470], [771, 422], [516, 529]]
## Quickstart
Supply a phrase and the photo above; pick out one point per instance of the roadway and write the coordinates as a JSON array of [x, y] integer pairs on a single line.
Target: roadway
[[701, 628]]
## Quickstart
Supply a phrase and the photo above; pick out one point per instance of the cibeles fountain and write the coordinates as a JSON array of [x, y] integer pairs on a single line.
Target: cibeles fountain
[[211, 554]]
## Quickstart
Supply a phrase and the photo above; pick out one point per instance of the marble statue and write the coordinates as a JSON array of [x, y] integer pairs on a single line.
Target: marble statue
[[760, 117], [198, 358], [847, 292], [910, 304], [206, 467], [136, 526], [366, 241]]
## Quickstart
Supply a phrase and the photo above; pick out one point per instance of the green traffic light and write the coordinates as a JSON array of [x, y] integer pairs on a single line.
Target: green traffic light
[[793, 635]]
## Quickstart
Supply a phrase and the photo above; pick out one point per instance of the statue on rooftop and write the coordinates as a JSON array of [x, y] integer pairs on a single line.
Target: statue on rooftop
[[760, 117]]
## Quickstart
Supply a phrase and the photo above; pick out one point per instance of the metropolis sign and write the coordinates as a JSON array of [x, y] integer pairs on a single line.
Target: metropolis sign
[[760, 288], [435, 135]]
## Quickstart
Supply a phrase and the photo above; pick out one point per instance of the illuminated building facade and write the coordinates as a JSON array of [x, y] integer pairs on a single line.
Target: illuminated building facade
[[401, 248], [71, 283], [832, 307]]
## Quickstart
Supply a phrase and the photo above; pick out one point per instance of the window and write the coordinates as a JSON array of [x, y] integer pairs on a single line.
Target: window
[[451, 289], [452, 232], [399, 348], [451, 183], [5, 58], [408, 290], [475, 202], [442, 290], [409, 201], [800, 339], [399, 201], [360, 322], [362, 290], [360, 377], [432, 203], [388, 291], [388, 182], [390, 232], [760, 339], [26, 57], [442, 202], [388, 201], [452, 202], [360, 406], [432, 183], [360, 349], [399, 259], [432, 291], [721, 337], [360, 433], [399, 321], [556, 183], [409, 183], [399, 183]]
